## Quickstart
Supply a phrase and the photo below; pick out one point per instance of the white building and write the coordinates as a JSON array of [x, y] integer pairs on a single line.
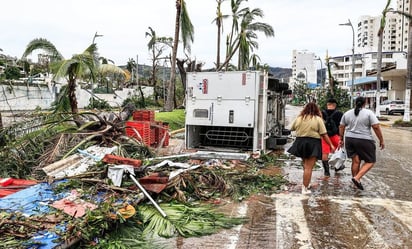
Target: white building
[[394, 43], [395, 36], [367, 29], [365, 64], [303, 67], [402, 25]]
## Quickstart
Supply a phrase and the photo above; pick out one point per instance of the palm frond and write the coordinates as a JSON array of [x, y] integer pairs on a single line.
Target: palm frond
[[186, 27], [41, 43], [185, 220], [106, 69]]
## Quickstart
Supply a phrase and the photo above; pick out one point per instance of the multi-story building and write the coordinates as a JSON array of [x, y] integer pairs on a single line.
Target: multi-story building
[[394, 39], [367, 33], [341, 68], [303, 67], [402, 25], [362, 72], [365, 64], [366, 30], [364, 83]]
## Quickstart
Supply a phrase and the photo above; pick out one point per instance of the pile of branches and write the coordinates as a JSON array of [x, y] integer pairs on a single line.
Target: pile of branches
[[59, 135]]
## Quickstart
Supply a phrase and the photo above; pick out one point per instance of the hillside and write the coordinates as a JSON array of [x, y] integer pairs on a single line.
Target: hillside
[[281, 73]]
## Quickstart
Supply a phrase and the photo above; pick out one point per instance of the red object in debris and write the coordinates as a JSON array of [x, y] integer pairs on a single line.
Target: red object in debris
[[165, 133], [15, 186], [108, 158], [154, 182], [153, 141], [6, 181], [139, 130], [73, 206], [144, 115], [161, 133]]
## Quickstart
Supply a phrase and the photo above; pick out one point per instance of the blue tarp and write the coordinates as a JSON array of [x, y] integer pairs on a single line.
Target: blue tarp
[[31, 201], [312, 85], [34, 200]]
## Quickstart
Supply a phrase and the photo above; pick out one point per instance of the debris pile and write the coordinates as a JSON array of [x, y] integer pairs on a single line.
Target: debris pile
[[95, 187]]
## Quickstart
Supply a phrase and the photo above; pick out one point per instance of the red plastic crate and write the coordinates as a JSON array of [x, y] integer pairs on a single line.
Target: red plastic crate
[[153, 135], [144, 115], [143, 129], [166, 130], [163, 130], [155, 126]]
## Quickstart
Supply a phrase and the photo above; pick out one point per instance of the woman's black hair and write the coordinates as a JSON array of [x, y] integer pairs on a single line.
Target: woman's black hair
[[359, 102]]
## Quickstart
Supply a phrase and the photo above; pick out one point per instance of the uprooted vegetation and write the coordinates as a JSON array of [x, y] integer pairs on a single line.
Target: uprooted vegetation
[[124, 219]]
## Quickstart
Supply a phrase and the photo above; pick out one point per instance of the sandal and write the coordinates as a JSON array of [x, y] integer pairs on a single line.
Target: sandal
[[357, 184]]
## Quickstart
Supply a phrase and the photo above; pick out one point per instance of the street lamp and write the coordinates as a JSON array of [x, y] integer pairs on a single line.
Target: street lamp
[[321, 71], [349, 23]]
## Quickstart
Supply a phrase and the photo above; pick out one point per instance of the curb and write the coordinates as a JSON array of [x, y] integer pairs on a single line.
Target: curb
[[385, 125]]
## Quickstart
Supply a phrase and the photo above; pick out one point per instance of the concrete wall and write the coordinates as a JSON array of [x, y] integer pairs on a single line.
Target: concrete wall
[[22, 96]]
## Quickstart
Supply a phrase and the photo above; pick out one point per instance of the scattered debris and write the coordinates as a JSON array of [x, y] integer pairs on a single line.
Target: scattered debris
[[94, 183]]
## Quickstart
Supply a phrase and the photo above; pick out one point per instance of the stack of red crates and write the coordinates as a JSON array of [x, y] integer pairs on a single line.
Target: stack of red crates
[[150, 131], [139, 130], [161, 130], [144, 115]]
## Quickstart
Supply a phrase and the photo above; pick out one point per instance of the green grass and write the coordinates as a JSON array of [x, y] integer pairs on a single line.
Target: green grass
[[176, 118], [401, 123]]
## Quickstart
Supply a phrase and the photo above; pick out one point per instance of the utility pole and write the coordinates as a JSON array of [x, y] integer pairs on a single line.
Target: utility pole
[[349, 23], [406, 115]]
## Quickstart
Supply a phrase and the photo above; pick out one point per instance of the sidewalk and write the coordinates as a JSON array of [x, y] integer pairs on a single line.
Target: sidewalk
[[389, 120]]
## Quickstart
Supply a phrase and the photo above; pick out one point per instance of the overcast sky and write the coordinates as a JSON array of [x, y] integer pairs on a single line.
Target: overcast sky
[[70, 25]]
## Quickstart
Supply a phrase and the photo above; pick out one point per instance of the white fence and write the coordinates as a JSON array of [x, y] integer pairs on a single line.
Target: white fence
[[20, 96]]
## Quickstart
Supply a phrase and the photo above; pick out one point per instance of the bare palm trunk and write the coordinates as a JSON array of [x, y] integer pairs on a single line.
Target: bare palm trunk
[[170, 89], [154, 81], [229, 57], [219, 27], [72, 94], [378, 73]]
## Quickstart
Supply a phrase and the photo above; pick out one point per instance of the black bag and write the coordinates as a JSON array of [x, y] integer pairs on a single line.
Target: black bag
[[330, 124]]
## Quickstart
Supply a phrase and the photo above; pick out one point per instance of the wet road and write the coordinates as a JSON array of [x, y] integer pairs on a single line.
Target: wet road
[[335, 215]]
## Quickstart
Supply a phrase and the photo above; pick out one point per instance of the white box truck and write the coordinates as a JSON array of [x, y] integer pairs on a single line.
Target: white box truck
[[235, 110]]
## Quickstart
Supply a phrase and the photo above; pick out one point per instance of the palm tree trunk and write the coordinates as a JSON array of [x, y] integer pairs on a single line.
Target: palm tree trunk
[[170, 89], [72, 93], [378, 72], [229, 57], [154, 81], [218, 45]]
